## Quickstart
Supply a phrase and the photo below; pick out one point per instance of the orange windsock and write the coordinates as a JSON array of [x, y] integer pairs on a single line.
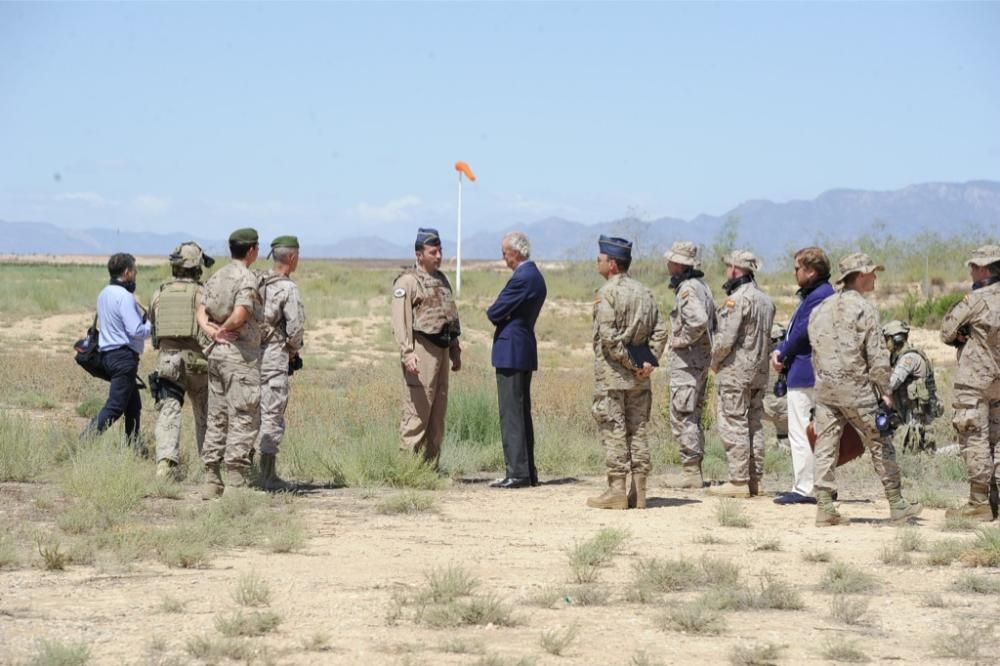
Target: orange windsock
[[464, 168]]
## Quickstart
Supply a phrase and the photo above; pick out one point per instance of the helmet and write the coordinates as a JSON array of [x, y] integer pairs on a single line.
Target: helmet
[[190, 255], [895, 327]]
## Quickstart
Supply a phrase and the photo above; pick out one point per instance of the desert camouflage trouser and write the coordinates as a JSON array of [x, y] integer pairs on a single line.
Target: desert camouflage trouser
[[425, 401], [622, 416], [170, 365], [687, 401], [977, 422], [776, 411], [233, 412], [738, 418], [830, 422], [273, 398]]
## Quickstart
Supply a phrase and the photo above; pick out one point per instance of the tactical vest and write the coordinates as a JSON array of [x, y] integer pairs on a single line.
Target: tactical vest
[[434, 307], [268, 331], [922, 395], [175, 311]]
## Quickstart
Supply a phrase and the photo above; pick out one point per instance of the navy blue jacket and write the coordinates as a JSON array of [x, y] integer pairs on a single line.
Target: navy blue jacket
[[514, 314], [796, 351]]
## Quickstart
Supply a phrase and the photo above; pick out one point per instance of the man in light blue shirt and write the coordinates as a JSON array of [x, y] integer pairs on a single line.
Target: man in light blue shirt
[[123, 331]]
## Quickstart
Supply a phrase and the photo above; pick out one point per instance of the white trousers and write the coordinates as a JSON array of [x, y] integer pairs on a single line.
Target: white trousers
[[800, 402]]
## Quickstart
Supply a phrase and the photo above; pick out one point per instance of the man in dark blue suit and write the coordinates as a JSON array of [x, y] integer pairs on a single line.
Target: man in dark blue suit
[[515, 357]]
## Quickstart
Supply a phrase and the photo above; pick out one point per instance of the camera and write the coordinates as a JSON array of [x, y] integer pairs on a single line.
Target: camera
[[884, 421], [781, 386], [294, 363]]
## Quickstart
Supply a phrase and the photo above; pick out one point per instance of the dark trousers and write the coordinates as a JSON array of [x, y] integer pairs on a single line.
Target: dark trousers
[[122, 365], [516, 429]]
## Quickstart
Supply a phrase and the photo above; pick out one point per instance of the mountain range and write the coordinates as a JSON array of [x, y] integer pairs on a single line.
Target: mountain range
[[768, 227]]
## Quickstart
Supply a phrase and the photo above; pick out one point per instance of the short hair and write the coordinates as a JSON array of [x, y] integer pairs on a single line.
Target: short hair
[[240, 249], [816, 259], [518, 242], [185, 272], [119, 263], [623, 264], [284, 254]]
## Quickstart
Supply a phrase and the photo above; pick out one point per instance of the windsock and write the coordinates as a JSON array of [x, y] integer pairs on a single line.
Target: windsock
[[462, 167]]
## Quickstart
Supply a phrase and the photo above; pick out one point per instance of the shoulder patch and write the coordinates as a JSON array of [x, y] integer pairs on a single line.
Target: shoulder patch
[[730, 303], [684, 294], [399, 293]]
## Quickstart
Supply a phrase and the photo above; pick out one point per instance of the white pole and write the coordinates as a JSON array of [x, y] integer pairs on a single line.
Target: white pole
[[458, 251]]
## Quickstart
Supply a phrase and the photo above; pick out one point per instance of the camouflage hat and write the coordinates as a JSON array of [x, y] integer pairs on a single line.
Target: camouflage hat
[[683, 252], [283, 241], [859, 262], [616, 248], [245, 235], [984, 256], [895, 327], [778, 331], [190, 255], [742, 259]]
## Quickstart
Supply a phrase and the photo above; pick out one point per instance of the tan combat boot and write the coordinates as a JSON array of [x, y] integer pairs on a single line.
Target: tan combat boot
[[269, 478], [213, 485], [737, 489], [977, 508], [826, 513], [612, 498], [637, 492], [691, 476], [237, 477], [900, 511]]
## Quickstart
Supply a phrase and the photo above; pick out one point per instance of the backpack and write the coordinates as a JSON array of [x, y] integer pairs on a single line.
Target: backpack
[[88, 356]]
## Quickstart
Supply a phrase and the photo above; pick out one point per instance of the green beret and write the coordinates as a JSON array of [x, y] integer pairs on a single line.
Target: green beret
[[247, 235], [286, 241]]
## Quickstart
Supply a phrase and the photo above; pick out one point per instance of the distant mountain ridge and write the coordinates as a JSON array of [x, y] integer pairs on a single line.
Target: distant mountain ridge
[[768, 227]]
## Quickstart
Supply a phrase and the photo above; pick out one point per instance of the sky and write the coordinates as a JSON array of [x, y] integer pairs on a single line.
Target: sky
[[334, 120]]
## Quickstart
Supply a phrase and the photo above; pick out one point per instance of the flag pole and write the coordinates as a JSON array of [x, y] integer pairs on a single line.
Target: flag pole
[[458, 251]]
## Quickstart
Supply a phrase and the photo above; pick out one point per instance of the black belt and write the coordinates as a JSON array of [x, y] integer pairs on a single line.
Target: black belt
[[442, 339]]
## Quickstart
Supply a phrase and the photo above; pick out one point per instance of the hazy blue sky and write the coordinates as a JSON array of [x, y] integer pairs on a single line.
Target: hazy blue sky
[[333, 120]]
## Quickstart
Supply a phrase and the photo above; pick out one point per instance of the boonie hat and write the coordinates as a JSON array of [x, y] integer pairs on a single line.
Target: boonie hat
[[683, 252], [190, 255], [616, 248], [859, 262], [984, 256], [742, 259], [895, 327]]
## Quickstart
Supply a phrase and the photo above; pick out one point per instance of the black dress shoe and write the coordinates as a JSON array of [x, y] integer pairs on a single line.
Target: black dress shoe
[[499, 482], [513, 482]]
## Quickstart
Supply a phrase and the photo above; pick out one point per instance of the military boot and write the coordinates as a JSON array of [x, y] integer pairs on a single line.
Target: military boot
[[237, 477], [213, 485], [612, 498], [737, 489], [637, 492], [900, 511], [691, 476], [269, 475], [166, 469], [826, 513], [977, 508]]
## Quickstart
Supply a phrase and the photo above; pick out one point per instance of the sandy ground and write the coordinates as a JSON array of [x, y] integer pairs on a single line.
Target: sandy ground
[[515, 542]]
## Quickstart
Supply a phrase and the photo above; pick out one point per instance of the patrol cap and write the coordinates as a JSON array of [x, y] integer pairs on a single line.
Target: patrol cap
[[283, 241], [984, 256], [684, 253], [245, 235], [616, 248], [859, 262], [895, 327], [742, 259], [778, 331], [427, 236], [190, 255]]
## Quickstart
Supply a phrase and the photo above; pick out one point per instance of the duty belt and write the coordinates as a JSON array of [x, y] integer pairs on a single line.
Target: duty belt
[[442, 339]]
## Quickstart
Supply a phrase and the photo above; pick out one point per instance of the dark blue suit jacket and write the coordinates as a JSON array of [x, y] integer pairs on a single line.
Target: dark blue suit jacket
[[514, 314]]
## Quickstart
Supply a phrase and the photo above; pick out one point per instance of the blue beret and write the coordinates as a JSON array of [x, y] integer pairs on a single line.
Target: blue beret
[[428, 237], [616, 248]]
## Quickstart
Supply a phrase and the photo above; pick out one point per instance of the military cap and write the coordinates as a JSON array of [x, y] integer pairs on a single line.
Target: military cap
[[284, 241], [190, 255], [859, 262], [895, 327], [984, 256], [742, 259], [778, 331], [684, 253], [616, 248], [246, 235], [427, 237]]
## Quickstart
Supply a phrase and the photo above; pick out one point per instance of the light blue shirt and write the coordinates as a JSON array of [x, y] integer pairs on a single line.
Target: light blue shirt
[[120, 320]]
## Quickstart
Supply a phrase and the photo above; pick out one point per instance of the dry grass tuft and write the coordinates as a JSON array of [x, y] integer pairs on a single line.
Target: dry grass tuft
[[730, 513], [56, 653], [251, 591], [755, 655], [586, 558], [555, 641], [406, 502], [846, 579], [848, 610], [843, 651]]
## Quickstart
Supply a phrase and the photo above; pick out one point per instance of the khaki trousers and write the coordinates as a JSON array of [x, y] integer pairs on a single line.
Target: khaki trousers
[[425, 401]]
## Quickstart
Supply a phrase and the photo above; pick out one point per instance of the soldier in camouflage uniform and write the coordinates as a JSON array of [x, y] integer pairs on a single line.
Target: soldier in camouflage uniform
[[973, 326], [776, 406], [229, 314], [425, 326], [625, 316], [852, 369], [692, 324], [282, 333], [181, 367], [913, 389], [740, 352]]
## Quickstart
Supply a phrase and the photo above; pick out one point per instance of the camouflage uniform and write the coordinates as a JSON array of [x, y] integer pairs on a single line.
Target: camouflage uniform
[[977, 380], [776, 407], [233, 374], [914, 391], [281, 339], [692, 324], [851, 363], [740, 350], [425, 325], [625, 313]]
